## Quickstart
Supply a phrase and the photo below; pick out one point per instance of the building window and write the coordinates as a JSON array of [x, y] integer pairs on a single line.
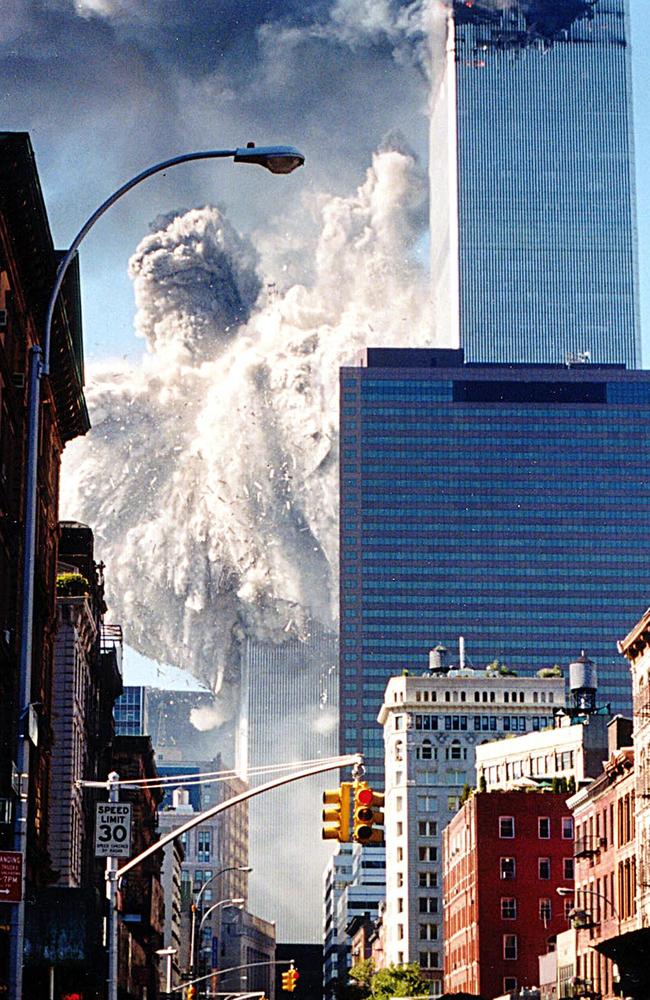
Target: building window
[[428, 932], [400, 904], [428, 904], [400, 853], [508, 908], [544, 828], [203, 845], [544, 868], [567, 828], [400, 932], [429, 960], [568, 868], [426, 750], [545, 912], [509, 984], [510, 947], [506, 827], [400, 879], [428, 828], [428, 853], [428, 880], [399, 828], [508, 868]]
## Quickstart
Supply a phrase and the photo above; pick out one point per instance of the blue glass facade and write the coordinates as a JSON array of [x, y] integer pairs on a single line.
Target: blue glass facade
[[506, 504], [128, 712], [546, 215]]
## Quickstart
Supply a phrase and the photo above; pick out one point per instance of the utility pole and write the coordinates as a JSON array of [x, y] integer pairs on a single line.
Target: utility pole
[[111, 895], [114, 874]]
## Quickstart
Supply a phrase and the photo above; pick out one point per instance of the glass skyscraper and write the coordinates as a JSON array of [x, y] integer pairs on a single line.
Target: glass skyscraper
[[534, 237], [508, 504]]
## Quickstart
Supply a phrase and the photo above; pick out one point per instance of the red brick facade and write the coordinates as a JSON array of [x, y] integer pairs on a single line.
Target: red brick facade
[[505, 854]]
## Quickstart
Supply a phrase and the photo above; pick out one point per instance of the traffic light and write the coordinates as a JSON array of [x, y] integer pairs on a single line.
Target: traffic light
[[336, 819], [367, 814], [289, 980]]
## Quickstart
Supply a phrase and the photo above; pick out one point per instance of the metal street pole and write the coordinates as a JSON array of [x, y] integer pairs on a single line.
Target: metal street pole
[[111, 895], [167, 954], [277, 159], [197, 900], [231, 968], [215, 906]]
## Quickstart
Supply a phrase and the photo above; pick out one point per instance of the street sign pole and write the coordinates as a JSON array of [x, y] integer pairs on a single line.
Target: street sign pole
[[111, 894]]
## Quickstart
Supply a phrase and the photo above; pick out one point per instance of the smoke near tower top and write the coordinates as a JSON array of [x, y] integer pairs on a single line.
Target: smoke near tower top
[[534, 254]]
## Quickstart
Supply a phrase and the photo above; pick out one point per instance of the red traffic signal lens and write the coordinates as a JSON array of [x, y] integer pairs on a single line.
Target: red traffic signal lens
[[365, 796]]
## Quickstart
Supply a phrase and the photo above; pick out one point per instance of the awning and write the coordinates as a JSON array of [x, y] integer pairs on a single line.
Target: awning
[[631, 953]]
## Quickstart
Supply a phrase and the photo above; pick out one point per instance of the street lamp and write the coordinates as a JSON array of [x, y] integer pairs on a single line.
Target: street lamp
[[167, 953], [238, 902], [277, 159], [197, 900], [566, 891]]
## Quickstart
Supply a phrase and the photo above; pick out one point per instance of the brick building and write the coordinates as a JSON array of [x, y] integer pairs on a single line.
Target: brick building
[[504, 856], [87, 680], [605, 871], [28, 263]]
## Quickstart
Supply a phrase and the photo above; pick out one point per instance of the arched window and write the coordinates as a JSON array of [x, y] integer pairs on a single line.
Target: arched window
[[426, 750]]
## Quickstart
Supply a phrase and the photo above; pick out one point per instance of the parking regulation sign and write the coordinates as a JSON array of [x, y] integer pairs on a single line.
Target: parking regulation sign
[[113, 830], [11, 876]]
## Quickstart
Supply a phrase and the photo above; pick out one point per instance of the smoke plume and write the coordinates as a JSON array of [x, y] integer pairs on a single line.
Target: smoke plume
[[210, 475]]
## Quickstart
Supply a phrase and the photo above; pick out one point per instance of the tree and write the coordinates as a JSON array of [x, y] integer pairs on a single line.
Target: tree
[[554, 671], [394, 981], [362, 973], [399, 981]]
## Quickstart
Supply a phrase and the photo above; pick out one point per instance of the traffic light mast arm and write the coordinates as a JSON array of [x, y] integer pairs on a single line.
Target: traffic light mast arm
[[332, 765], [222, 972]]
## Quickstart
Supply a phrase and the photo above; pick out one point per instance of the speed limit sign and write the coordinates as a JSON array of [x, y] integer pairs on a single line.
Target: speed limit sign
[[113, 830]]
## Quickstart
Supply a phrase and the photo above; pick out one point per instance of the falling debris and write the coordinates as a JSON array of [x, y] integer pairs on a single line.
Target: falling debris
[[187, 532]]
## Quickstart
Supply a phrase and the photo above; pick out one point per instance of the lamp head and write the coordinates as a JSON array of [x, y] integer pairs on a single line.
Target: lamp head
[[277, 159], [565, 890]]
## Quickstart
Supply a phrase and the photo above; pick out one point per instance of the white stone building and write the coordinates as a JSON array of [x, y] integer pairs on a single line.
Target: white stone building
[[571, 749], [432, 727]]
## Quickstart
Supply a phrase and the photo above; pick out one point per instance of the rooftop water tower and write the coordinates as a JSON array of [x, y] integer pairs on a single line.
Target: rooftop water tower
[[583, 685]]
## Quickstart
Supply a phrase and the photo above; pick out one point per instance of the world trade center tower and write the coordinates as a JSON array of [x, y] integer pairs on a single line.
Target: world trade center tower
[[533, 230]]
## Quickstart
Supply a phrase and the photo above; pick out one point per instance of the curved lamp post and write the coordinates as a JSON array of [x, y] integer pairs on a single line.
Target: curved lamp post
[[197, 900], [566, 891], [238, 902], [277, 159]]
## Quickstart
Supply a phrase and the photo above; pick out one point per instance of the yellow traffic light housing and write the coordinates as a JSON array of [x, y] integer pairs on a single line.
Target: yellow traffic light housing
[[336, 818], [289, 979], [368, 814]]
